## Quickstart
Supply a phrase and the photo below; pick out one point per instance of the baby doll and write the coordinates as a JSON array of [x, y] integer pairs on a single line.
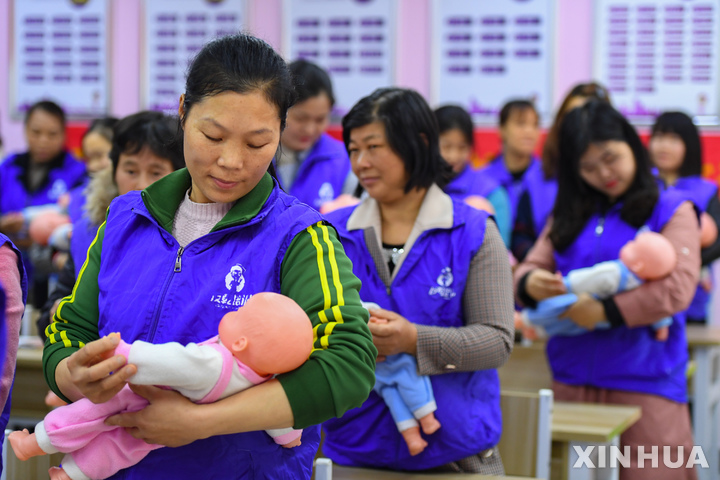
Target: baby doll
[[408, 396], [271, 334], [650, 256]]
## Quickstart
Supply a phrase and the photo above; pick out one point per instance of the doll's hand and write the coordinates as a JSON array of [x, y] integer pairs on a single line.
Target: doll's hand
[[167, 420], [541, 284], [392, 333], [96, 372], [586, 312]]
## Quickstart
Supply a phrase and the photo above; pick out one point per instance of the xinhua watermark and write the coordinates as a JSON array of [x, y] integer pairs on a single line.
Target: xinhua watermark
[[604, 456]]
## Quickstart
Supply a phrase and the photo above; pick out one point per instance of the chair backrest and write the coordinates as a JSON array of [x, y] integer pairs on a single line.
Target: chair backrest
[[526, 437]]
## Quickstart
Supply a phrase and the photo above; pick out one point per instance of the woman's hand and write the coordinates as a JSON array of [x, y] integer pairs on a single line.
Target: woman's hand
[[541, 284], [96, 372], [586, 312], [392, 333], [168, 419]]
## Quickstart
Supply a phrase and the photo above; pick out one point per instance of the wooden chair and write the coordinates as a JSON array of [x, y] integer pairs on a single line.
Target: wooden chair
[[526, 441]]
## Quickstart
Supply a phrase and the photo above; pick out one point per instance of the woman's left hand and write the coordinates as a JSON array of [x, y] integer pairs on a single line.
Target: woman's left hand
[[392, 333], [586, 312], [167, 420]]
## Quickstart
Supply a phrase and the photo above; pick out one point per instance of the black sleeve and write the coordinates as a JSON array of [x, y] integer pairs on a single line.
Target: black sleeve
[[712, 252], [63, 288], [523, 234], [612, 312], [522, 294]]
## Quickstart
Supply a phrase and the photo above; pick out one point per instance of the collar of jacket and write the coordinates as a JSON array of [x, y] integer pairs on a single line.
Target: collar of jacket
[[163, 198], [436, 211], [23, 161]]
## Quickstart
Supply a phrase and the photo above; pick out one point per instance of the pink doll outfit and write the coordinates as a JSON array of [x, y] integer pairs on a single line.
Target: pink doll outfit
[[204, 373]]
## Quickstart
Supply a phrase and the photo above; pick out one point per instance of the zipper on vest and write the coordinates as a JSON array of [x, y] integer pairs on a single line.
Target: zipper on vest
[[161, 300], [178, 260]]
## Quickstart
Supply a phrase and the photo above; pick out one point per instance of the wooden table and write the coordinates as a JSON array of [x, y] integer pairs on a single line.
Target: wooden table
[[574, 424], [588, 424], [704, 344]]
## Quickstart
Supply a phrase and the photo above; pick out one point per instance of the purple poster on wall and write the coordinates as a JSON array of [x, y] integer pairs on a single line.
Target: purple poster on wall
[[175, 30], [59, 54], [488, 52], [352, 39], [658, 56]]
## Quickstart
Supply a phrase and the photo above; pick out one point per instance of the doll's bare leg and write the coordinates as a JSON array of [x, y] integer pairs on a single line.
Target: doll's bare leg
[[662, 334], [414, 441], [57, 473], [25, 445], [429, 424], [295, 443]]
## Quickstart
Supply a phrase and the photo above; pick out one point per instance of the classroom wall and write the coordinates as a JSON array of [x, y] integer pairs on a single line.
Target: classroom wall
[[265, 20], [573, 57]]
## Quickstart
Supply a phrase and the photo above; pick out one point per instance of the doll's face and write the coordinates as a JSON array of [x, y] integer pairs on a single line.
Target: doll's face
[[270, 334]]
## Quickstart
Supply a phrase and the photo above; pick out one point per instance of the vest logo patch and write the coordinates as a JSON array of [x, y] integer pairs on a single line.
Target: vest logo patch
[[59, 187], [325, 194], [234, 282], [443, 285], [235, 279]]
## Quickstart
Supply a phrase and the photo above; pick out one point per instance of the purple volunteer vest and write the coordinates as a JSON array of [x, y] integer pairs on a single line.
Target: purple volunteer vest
[[515, 188], [427, 290], [157, 296], [14, 197], [321, 176], [542, 192], [470, 182], [620, 358]]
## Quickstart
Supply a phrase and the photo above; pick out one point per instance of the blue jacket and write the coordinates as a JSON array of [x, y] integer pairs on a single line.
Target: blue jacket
[[542, 193], [64, 175], [427, 289], [322, 174], [5, 416], [620, 358], [700, 191], [497, 170]]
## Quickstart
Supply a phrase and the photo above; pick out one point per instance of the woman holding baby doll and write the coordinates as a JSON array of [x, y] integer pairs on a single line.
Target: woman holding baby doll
[[171, 260], [439, 271], [606, 195]]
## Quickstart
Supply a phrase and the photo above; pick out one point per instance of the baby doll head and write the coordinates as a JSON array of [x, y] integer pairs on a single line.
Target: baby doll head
[[271, 334], [708, 230], [650, 256], [43, 225]]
